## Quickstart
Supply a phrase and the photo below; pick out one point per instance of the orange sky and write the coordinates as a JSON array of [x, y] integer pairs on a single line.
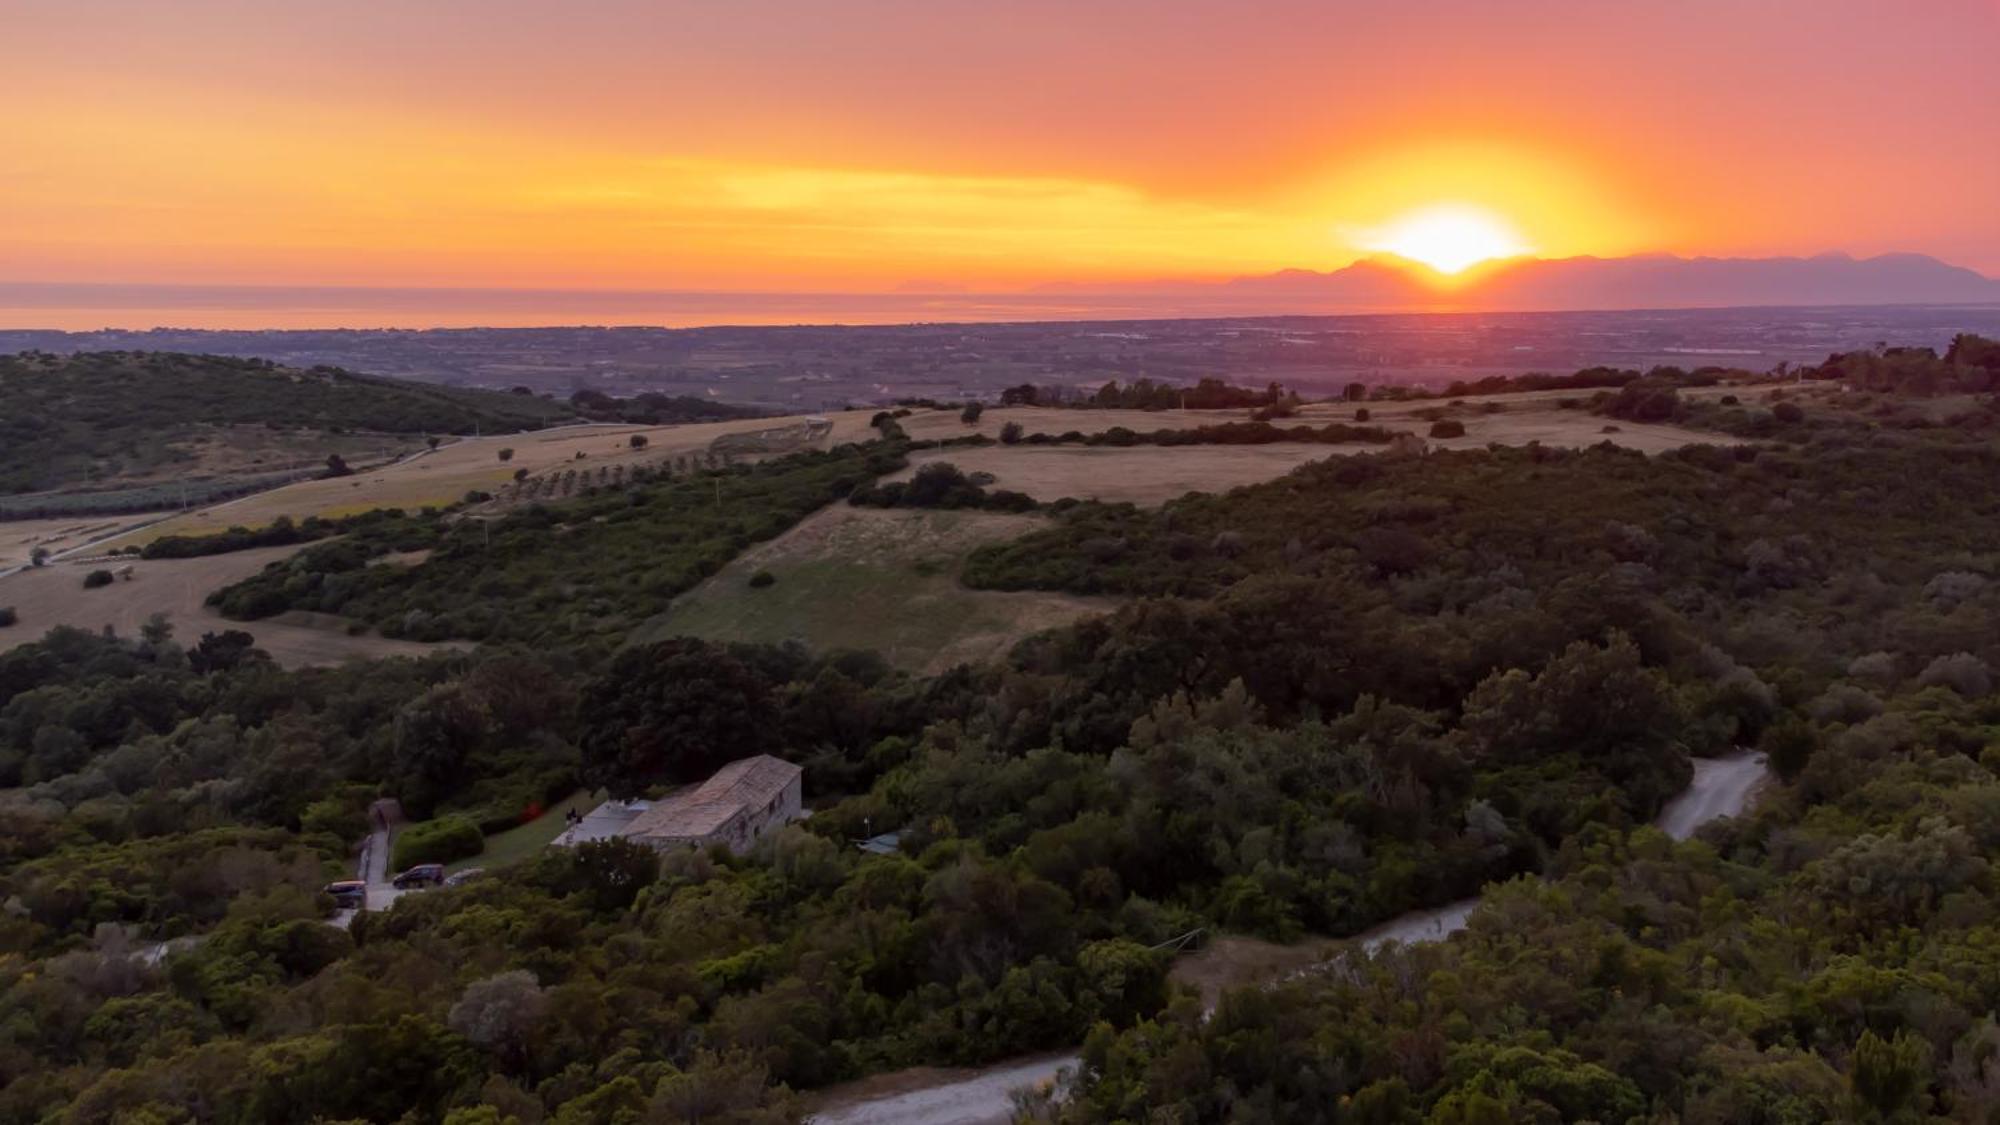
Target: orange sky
[[754, 144]]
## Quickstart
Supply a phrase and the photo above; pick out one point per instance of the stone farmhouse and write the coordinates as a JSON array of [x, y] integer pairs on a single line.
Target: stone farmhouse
[[741, 802]]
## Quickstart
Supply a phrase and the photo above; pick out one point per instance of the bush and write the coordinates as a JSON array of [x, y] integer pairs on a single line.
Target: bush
[[1962, 672], [637, 441], [1362, 415], [1789, 413], [8, 616], [97, 578], [1447, 428], [507, 454], [970, 415], [762, 579], [437, 841], [1010, 433]]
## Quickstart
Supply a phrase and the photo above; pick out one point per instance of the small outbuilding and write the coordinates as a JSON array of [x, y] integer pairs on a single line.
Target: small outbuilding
[[741, 802]]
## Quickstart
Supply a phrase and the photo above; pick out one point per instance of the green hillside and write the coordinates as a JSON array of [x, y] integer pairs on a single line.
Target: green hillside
[[104, 416]]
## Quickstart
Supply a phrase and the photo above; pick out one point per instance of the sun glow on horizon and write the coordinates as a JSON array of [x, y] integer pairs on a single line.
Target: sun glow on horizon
[[1449, 237]]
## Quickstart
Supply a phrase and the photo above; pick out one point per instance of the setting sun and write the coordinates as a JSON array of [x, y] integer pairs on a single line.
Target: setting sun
[[1449, 238]]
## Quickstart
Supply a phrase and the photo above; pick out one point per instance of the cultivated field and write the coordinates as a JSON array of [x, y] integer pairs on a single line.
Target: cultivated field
[[864, 578], [19, 538], [1143, 474], [447, 474], [54, 595]]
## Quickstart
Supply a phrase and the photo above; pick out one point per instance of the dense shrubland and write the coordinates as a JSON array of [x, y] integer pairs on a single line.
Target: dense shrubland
[[1372, 685]]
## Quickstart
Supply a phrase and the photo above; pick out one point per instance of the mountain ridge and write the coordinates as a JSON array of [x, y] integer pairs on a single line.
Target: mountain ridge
[[1593, 283]]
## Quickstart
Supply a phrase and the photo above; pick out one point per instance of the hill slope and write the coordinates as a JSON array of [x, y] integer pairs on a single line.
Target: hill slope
[[104, 416]]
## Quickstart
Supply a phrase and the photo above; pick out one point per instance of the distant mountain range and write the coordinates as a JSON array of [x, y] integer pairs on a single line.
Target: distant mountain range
[[1649, 281]]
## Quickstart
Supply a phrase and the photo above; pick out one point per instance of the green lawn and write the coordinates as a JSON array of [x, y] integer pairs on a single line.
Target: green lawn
[[866, 579], [521, 843]]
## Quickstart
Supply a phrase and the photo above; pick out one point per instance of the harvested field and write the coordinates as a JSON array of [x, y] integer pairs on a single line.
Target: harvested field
[[863, 578], [1149, 474], [457, 467], [54, 595], [19, 538]]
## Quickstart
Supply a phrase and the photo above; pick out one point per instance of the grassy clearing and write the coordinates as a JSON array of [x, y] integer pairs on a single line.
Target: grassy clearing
[[527, 840], [869, 579], [1231, 961]]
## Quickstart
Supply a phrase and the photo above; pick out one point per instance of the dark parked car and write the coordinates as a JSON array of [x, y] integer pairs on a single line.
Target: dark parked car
[[348, 894], [431, 874]]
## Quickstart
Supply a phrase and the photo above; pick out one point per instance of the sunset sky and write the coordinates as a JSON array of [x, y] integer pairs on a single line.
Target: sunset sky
[[862, 145]]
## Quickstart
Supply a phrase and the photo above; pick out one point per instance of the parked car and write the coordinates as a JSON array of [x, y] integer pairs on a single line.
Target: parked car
[[420, 875], [348, 894], [459, 878]]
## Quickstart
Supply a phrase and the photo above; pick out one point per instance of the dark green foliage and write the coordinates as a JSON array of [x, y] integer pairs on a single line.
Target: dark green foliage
[[1373, 685], [1447, 428], [437, 841], [970, 415], [1586, 379], [1970, 366], [654, 409], [613, 872], [392, 526], [1222, 433], [97, 578], [8, 616], [592, 567], [674, 711], [939, 484], [95, 414], [762, 579]]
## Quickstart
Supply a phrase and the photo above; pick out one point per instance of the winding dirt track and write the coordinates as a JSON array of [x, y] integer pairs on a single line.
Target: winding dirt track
[[1721, 787]]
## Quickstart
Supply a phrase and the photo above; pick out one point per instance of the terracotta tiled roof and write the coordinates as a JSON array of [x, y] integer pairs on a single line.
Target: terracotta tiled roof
[[747, 783]]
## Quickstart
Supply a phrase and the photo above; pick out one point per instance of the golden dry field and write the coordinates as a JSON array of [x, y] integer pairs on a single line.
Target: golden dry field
[[445, 475], [54, 595]]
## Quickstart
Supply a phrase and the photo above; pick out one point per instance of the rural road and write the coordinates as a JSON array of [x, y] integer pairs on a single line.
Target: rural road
[[373, 870], [985, 1098], [1721, 787]]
